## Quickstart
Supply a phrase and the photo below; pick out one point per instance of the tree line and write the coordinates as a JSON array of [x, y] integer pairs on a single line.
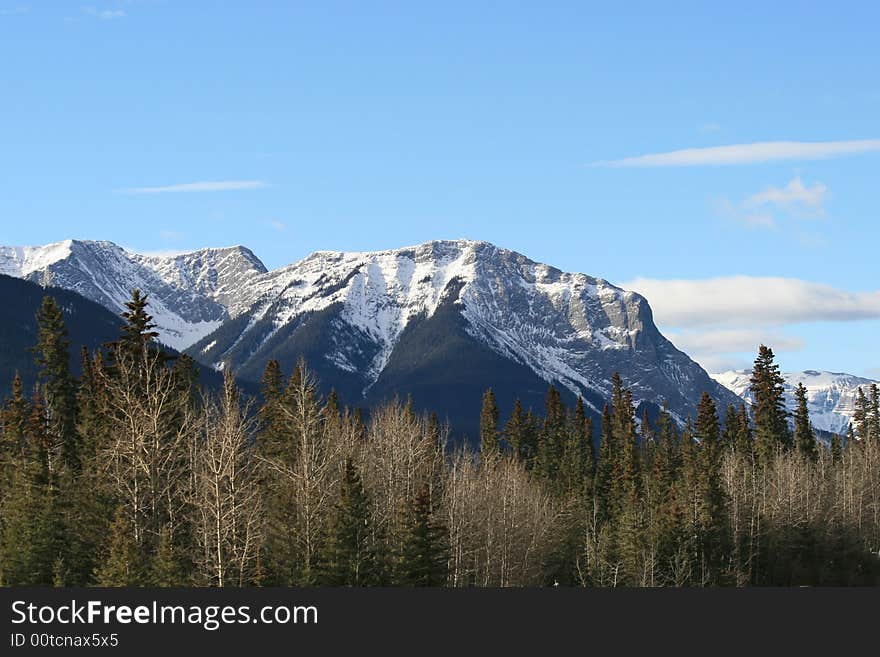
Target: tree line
[[130, 475]]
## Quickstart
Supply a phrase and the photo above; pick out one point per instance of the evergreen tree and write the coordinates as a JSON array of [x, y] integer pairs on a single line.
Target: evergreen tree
[[712, 519], [53, 359], [123, 562], [167, 567], [861, 416], [350, 558], [423, 558], [804, 438], [874, 415], [552, 436], [745, 443], [489, 423], [771, 418], [137, 332]]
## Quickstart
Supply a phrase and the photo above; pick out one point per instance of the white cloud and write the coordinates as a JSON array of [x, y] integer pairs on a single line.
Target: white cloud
[[103, 14], [208, 186], [794, 196], [277, 225], [715, 341], [747, 153], [15, 11], [752, 301], [170, 235]]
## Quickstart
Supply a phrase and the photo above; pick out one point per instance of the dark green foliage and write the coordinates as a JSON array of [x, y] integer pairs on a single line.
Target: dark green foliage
[[771, 418], [804, 437], [422, 560], [123, 561], [350, 558]]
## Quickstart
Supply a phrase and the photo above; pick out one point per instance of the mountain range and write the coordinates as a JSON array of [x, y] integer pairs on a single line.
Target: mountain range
[[439, 322]]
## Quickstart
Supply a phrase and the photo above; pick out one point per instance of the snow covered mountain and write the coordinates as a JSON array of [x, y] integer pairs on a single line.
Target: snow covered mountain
[[439, 322], [375, 324], [189, 293], [830, 395]]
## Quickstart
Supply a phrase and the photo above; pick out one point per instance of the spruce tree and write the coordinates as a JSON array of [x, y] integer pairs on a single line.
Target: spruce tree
[[489, 423], [137, 332], [712, 517], [52, 356], [350, 558], [745, 443], [804, 438], [423, 557], [874, 415], [771, 418], [861, 416], [122, 563]]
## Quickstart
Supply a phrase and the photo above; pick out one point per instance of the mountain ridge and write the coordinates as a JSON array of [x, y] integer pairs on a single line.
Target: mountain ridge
[[353, 313]]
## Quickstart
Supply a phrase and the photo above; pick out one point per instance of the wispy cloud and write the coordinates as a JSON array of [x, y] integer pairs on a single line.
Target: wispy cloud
[[20, 10], [277, 225], [747, 153], [103, 14], [709, 127], [763, 210], [752, 301], [205, 186], [794, 196]]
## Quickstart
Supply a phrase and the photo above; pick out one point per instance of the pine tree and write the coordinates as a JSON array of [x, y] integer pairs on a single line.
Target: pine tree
[[423, 558], [167, 567], [350, 558], [771, 418], [874, 415], [123, 562], [53, 359], [489, 423], [712, 517], [745, 443], [861, 416], [804, 438], [137, 333], [552, 436]]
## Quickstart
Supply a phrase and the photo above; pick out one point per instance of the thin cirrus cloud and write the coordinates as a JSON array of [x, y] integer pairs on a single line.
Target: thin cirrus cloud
[[757, 152], [205, 186], [753, 301]]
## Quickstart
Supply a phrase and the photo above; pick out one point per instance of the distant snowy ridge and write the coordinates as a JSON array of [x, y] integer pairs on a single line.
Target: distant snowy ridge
[[830, 395], [189, 293]]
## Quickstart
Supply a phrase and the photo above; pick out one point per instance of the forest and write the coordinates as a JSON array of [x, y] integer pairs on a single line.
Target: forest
[[132, 475]]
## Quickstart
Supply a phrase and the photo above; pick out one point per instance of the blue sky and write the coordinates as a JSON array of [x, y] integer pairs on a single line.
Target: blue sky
[[367, 125]]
